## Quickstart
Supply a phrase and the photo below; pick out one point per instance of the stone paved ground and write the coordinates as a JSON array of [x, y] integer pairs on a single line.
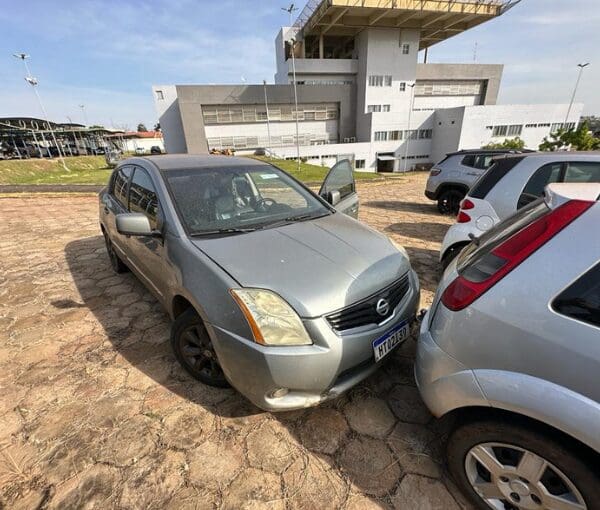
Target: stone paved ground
[[96, 413]]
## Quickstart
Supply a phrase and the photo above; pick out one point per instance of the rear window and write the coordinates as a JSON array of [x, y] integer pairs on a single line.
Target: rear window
[[490, 178], [581, 300], [482, 246]]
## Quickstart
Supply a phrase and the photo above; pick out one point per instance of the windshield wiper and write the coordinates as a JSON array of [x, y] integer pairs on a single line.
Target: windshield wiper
[[294, 219], [223, 231]]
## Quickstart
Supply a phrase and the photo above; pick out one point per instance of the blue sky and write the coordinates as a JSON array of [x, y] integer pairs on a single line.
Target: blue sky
[[106, 54]]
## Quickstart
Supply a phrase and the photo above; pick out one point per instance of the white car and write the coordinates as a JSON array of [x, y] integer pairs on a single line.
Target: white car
[[512, 182]]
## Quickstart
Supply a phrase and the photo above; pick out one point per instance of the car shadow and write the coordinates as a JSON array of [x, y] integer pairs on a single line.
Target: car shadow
[[397, 435], [424, 230]]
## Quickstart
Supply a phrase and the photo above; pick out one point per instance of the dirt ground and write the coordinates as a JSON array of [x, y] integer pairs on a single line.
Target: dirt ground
[[96, 413]]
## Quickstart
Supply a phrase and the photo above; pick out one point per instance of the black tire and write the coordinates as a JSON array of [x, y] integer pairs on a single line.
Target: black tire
[[566, 455], [449, 201], [115, 262], [194, 351], [451, 254]]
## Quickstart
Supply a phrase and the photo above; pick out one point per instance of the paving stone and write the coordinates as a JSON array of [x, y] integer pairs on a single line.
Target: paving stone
[[254, 489], [424, 493], [187, 428], [132, 441], [407, 405], [311, 483], [358, 502], [414, 447], [371, 416], [370, 466], [270, 447], [213, 465], [323, 430]]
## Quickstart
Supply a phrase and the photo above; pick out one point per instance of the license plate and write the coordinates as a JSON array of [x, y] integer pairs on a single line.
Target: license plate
[[386, 344]]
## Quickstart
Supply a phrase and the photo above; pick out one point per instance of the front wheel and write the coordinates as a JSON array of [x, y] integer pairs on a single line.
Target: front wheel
[[115, 261], [194, 350], [449, 201], [507, 467]]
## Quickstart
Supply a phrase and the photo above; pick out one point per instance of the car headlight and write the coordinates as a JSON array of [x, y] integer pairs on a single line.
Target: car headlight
[[400, 248], [271, 319]]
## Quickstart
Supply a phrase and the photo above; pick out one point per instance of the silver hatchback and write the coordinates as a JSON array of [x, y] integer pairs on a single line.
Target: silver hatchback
[[271, 288], [511, 348]]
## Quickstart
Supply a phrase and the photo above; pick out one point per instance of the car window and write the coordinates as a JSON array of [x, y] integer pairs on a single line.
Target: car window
[[238, 197], [581, 300], [582, 172], [484, 161], [495, 173], [468, 161], [120, 183], [340, 178], [538, 182], [142, 196]]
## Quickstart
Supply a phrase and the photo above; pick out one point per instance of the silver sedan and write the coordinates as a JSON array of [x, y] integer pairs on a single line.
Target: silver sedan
[[272, 288]]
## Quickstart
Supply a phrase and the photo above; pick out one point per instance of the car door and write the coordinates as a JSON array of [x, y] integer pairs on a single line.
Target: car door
[[340, 179], [147, 253], [115, 202], [534, 189]]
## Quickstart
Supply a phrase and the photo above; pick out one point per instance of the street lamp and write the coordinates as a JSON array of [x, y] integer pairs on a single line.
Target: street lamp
[[581, 68], [293, 41], [34, 82], [410, 108], [82, 106]]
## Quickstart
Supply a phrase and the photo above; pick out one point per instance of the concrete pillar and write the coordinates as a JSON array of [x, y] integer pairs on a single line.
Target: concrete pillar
[[321, 47]]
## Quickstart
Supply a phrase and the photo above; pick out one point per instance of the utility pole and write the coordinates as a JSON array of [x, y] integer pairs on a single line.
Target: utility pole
[[82, 106], [412, 100], [581, 68], [290, 10], [268, 118], [33, 82]]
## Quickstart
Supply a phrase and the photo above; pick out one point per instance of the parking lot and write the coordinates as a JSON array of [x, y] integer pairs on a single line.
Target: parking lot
[[96, 412]]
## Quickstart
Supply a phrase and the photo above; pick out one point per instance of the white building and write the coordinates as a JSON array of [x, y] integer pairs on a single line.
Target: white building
[[361, 92]]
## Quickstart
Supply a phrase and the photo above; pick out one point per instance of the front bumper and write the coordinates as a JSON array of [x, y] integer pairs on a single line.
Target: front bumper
[[311, 374], [445, 384]]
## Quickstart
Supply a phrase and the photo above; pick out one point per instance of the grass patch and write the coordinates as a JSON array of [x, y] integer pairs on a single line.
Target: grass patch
[[83, 170], [311, 173]]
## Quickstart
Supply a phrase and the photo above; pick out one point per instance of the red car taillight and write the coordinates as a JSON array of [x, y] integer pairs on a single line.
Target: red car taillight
[[463, 217], [480, 276], [466, 204]]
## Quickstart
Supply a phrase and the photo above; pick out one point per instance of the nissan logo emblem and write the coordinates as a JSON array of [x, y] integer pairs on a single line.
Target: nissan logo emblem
[[382, 307]]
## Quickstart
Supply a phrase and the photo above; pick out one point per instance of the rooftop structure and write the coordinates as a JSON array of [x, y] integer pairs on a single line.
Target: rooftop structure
[[436, 19]]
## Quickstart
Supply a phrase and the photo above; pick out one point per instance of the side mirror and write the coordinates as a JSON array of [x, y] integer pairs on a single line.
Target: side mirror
[[333, 197], [134, 224]]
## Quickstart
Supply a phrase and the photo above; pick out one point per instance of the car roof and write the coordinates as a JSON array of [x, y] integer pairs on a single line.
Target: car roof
[[168, 162], [559, 155], [488, 151]]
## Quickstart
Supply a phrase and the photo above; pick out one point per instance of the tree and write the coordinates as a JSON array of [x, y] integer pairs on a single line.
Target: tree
[[142, 128], [157, 126], [508, 143], [580, 139]]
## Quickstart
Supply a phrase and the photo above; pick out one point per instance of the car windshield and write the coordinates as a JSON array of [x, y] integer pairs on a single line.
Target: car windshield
[[238, 199]]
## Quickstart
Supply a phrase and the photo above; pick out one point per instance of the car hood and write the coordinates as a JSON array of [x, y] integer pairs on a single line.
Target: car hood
[[317, 266]]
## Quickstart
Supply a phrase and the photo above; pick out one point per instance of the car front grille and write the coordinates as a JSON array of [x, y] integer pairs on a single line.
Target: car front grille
[[365, 312]]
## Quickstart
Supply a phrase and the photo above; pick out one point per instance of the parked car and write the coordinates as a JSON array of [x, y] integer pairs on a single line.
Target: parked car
[[155, 149], [513, 182], [140, 151], [450, 179], [271, 289], [511, 349]]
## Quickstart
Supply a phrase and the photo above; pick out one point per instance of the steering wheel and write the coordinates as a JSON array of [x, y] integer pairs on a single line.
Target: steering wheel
[[265, 204]]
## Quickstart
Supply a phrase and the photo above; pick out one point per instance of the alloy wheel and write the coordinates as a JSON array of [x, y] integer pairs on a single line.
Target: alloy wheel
[[198, 353], [508, 477]]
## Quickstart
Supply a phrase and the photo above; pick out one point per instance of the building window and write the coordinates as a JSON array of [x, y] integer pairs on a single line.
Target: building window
[[381, 136], [385, 108], [556, 127], [402, 86], [449, 88], [515, 130], [359, 163], [500, 131], [411, 135], [373, 108], [388, 81], [159, 95], [395, 135], [425, 134], [377, 80], [405, 49]]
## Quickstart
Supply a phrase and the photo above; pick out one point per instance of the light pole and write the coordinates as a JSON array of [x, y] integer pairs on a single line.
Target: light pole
[[296, 103], [33, 82], [268, 118], [82, 106], [410, 108], [581, 68]]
